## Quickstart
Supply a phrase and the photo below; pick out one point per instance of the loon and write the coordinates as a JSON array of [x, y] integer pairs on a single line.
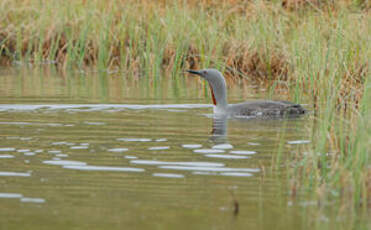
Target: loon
[[263, 108]]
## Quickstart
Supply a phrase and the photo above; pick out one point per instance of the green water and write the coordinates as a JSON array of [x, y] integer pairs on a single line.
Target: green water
[[79, 151]]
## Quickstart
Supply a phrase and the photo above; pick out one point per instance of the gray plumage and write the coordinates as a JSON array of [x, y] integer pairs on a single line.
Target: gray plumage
[[265, 108]]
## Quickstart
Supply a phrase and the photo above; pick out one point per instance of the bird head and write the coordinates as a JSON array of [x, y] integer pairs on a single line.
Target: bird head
[[207, 74], [217, 85]]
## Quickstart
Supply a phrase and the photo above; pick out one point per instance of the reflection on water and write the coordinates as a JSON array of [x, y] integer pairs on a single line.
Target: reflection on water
[[32, 200], [102, 168], [118, 150], [168, 175], [223, 146], [10, 195], [7, 149], [159, 148], [14, 174], [219, 130], [90, 108], [192, 164], [298, 142], [6, 156], [21, 197], [64, 162], [242, 152], [208, 151], [191, 146], [226, 156], [139, 159]]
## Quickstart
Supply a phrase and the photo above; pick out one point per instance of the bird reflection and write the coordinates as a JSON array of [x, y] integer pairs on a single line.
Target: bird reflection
[[219, 132]]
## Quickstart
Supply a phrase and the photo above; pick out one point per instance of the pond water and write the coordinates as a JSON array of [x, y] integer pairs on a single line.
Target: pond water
[[99, 151]]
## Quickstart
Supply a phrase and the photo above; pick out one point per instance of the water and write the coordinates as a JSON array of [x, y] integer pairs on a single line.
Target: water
[[105, 152]]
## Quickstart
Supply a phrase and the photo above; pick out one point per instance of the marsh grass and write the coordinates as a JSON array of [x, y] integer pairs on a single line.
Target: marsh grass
[[311, 51]]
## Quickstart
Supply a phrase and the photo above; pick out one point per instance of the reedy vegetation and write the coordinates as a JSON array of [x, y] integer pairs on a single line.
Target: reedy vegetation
[[318, 49]]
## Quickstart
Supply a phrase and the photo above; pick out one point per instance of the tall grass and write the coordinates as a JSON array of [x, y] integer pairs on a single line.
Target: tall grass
[[329, 66], [317, 51]]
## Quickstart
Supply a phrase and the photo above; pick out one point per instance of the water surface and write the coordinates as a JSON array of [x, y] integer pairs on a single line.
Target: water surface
[[106, 152]]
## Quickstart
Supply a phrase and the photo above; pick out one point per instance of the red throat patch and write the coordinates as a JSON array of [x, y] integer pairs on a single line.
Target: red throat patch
[[212, 95]]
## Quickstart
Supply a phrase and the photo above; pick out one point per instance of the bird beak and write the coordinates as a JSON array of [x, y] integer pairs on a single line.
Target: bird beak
[[194, 72]]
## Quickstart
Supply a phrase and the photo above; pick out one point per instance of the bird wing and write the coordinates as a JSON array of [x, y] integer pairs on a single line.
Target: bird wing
[[266, 108]]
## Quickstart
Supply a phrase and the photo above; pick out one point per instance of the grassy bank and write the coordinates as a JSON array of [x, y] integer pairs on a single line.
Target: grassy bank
[[316, 51]]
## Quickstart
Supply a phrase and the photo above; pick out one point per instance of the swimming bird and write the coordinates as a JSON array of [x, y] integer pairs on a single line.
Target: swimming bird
[[264, 108]]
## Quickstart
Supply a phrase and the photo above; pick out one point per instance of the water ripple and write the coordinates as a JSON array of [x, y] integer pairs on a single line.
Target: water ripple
[[223, 146], [195, 164], [210, 169], [159, 148], [298, 142], [208, 151], [54, 151], [7, 149], [21, 198], [242, 152], [118, 150], [130, 157], [64, 162], [23, 150], [134, 139], [6, 156], [161, 140], [79, 147], [15, 174], [191, 146], [11, 195], [226, 156], [96, 107], [102, 168], [32, 200], [168, 175], [235, 174]]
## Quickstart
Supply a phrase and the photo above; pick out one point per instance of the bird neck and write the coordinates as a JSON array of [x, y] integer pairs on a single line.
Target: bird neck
[[219, 95]]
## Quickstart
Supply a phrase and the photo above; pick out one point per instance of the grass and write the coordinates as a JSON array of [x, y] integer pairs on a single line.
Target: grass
[[312, 51]]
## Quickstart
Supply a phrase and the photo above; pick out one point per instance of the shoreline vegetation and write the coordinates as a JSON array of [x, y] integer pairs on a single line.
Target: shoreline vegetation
[[317, 50]]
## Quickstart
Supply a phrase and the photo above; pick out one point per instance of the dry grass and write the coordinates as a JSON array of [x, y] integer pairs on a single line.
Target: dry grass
[[51, 35]]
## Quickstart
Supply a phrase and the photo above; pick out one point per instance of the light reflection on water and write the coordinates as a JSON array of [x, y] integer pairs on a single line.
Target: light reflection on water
[[124, 152], [193, 164], [130, 163], [6, 156], [93, 107], [226, 156], [102, 168], [14, 174]]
